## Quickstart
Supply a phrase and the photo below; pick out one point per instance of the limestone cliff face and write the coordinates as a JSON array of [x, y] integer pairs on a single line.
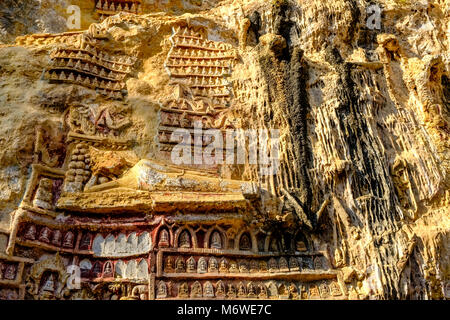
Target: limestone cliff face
[[363, 113]]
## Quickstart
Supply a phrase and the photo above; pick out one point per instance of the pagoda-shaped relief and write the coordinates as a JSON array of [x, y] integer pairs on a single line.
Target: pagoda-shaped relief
[[85, 63], [199, 70]]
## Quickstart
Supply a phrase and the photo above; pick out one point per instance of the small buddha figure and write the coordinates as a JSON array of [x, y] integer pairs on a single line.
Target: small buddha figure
[[283, 292], [57, 236], [262, 291], [163, 239], [31, 233], [241, 290], [254, 266], [44, 196], [108, 270], [243, 266], [251, 290], [168, 268], [183, 291], [208, 290], [263, 266], [185, 240], [339, 258], [313, 292], [162, 290], [335, 289], [44, 236], [1, 270], [85, 242], [231, 291], [283, 265], [220, 289], [318, 263], [97, 269], [272, 291], [293, 292], [300, 246], [190, 265], [233, 267], [216, 240], [324, 290], [223, 266], [213, 265], [273, 265], [273, 245], [202, 265], [68, 240], [196, 290], [49, 285], [245, 243], [10, 272], [293, 264], [179, 265]]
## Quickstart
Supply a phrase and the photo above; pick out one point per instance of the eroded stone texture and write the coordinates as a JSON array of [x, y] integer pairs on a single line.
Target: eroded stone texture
[[359, 208]]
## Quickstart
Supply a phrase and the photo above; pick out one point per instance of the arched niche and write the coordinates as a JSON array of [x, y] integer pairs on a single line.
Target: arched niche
[[181, 236], [300, 242], [246, 241], [215, 239], [163, 237]]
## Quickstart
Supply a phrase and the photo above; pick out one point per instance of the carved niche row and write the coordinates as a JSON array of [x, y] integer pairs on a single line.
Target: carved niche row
[[8, 270], [122, 245], [135, 269], [248, 290], [216, 238], [222, 265], [54, 237], [182, 238]]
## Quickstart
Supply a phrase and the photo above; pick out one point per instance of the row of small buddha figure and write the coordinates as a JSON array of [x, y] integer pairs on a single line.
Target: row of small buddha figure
[[199, 65], [8, 270], [250, 290], [179, 39], [212, 265], [98, 56], [93, 69], [95, 56], [117, 6], [86, 80], [105, 88], [184, 52], [56, 237]]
